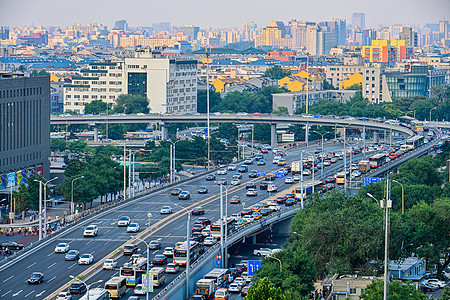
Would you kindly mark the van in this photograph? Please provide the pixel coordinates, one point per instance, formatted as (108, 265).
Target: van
(221, 294)
(159, 276)
(116, 287)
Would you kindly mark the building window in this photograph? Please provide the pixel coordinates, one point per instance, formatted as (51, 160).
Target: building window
(352, 291)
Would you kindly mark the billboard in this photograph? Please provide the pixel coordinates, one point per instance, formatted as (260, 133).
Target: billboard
(2, 181)
(11, 179)
(20, 177)
(40, 171)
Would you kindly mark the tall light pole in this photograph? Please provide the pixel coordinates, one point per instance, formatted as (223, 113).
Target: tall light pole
(40, 208)
(188, 247)
(45, 203)
(281, 266)
(87, 286)
(321, 153)
(430, 113)
(403, 196)
(71, 194)
(173, 167)
(307, 101)
(224, 230)
(148, 258)
(207, 104)
(124, 172)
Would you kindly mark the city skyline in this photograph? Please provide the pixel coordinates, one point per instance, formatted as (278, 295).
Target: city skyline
(234, 14)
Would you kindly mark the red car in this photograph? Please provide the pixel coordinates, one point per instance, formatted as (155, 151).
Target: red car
(264, 150)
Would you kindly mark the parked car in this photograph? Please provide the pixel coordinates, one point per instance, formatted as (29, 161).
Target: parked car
(437, 282)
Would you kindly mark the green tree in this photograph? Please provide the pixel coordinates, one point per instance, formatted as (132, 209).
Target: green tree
(58, 145)
(76, 146)
(131, 104)
(115, 131)
(262, 133)
(446, 293)
(214, 100)
(74, 167)
(355, 87)
(277, 73)
(281, 110)
(421, 171)
(397, 290)
(96, 107)
(264, 290)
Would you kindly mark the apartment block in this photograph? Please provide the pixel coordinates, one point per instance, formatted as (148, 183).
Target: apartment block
(387, 51)
(336, 73)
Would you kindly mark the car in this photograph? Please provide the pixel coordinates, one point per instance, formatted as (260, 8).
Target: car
(248, 218)
(243, 169)
(209, 241)
(202, 190)
(136, 298)
(130, 249)
(86, 259)
(289, 180)
(133, 227)
(281, 162)
(246, 211)
(176, 191)
(206, 231)
(240, 281)
(197, 228)
(244, 291)
(281, 199)
(274, 207)
(235, 199)
(262, 252)
(253, 174)
(297, 177)
(289, 202)
(264, 150)
(256, 207)
(154, 245)
(437, 282)
(263, 186)
(109, 264)
(271, 187)
(72, 255)
(261, 162)
(252, 192)
(165, 210)
(160, 259)
(265, 211)
(184, 195)
(35, 278)
(168, 251)
(62, 248)
(11, 246)
(256, 215)
(77, 287)
(429, 287)
(222, 181)
(306, 172)
(191, 171)
(198, 237)
(326, 163)
(210, 177)
(248, 161)
(64, 296)
(138, 290)
(234, 288)
(172, 268)
(222, 172)
(237, 176)
(269, 177)
(198, 211)
(330, 179)
(91, 230)
(231, 167)
(235, 182)
(123, 222)
(250, 185)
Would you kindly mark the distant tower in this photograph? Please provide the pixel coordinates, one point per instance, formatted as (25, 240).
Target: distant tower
(359, 19)
(121, 25)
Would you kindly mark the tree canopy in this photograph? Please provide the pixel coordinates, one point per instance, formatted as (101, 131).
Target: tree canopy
(131, 104)
(96, 107)
(397, 291)
(277, 73)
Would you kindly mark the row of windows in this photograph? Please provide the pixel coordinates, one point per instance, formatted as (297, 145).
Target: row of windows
(18, 159)
(21, 92)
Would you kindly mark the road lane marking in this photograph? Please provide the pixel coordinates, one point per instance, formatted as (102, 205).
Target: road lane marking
(40, 294)
(16, 294)
(89, 242)
(51, 265)
(5, 293)
(50, 254)
(72, 266)
(29, 293)
(107, 242)
(52, 278)
(167, 235)
(107, 231)
(154, 251)
(8, 278)
(31, 265)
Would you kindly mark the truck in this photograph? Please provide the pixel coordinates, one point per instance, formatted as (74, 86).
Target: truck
(364, 166)
(206, 288)
(296, 167)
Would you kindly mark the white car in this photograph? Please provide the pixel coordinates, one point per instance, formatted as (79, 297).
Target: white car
(166, 210)
(209, 241)
(138, 290)
(64, 296)
(123, 222)
(262, 252)
(109, 264)
(172, 268)
(206, 232)
(275, 207)
(234, 288)
(235, 182)
(236, 216)
(437, 282)
(306, 172)
(62, 248)
(248, 218)
(297, 177)
(222, 172)
(237, 176)
(356, 173)
(91, 230)
(231, 167)
(133, 227)
(168, 251)
(252, 192)
(289, 180)
(86, 259)
(271, 187)
(240, 281)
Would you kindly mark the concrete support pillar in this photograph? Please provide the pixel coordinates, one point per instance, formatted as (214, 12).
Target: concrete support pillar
(96, 133)
(307, 134)
(376, 137)
(273, 135)
(164, 131)
(254, 239)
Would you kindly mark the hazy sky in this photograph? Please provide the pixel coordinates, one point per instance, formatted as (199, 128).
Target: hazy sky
(228, 13)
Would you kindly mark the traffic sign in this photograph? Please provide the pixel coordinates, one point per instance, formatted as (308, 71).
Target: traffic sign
(149, 215)
(369, 180)
(218, 262)
(279, 174)
(261, 173)
(252, 266)
(218, 257)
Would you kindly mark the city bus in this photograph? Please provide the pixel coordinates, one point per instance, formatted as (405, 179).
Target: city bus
(96, 294)
(307, 189)
(340, 177)
(116, 287)
(132, 271)
(220, 277)
(180, 253)
(377, 160)
(418, 126)
(415, 142)
(406, 121)
(364, 166)
(159, 276)
(215, 227)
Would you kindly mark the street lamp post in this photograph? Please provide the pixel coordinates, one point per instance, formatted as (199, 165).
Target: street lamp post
(321, 153)
(188, 247)
(281, 266)
(71, 202)
(430, 113)
(224, 230)
(403, 196)
(87, 286)
(40, 208)
(45, 203)
(207, 104)
(148, 257)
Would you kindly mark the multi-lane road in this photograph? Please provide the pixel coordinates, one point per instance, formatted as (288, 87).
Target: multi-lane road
(56, 270)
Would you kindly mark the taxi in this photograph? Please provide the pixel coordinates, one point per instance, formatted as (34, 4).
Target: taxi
(261, 162)
(282, 162)
(256, 207)
(235, 199)
(256, 215)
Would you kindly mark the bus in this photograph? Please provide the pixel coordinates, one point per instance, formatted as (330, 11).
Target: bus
(159, 276)
(215, 227)
(406, 121)
(96, 294)
(116, 287)
(377, 160)
(364, 166)
(220, 277)
(307, 189)
(340, 177)
(180, 253)
(418, 126)
(415, 142)
(132, 271)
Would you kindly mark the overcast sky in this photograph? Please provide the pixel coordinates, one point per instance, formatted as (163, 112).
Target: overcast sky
(227, 13)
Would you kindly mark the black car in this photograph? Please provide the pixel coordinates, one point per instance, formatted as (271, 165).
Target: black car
(130, 249)
(160, 260)
(36, 278)
(198, 211)
(330, 180)
(243, 169)
(11, 246)
(250, 185)
(253, 174)
(77, 287)
(176, 191)
(263, 186)
(290, 195)
(72, 255)
(210, 177)
(202, 190)
(184, 195)
(289, 202)
(198, 237)
(203, 221)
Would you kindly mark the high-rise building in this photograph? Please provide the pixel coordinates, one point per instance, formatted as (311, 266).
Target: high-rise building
(443, 28)
(4, 33)
(409, 36)
(121, 25)
(190, 30)
(24, 128)
(359, 19)
(386, 51)
(273, 35)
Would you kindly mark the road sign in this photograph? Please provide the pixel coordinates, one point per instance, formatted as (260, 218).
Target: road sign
(264, 222)
(218, 257)
(243, 203)
(369, 180)
(261, 173)
(279, 174)
(218, 262)
(147, 283)
(149, 215)
(252, 266)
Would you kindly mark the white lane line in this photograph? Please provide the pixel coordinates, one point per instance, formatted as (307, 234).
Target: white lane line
(107, 231)
(93, 252)
(31, 265)
(89, 242)
(168, 235)
(16, 294)
(156, 251)
(107, 242)
(5, 293)
(52, 278)
(71, 266)
(40, 294)
(114, 274)
(29, 293)
(8, 278)
(50, 254)
(51, 265)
